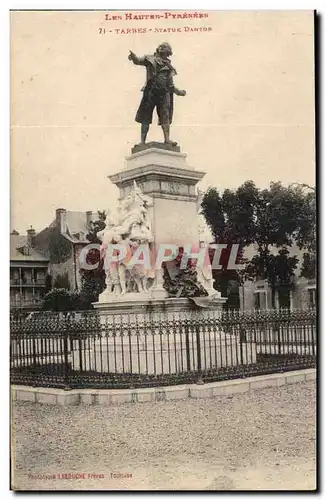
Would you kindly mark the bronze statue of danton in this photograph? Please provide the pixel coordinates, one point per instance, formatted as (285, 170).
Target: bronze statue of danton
(158, 91)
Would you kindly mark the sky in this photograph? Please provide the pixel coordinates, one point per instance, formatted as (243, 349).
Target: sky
(248, 112)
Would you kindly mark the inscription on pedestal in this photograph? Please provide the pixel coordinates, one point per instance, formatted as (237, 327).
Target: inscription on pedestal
(170, 187)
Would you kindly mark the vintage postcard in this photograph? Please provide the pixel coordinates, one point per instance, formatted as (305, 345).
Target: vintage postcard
(163, 250)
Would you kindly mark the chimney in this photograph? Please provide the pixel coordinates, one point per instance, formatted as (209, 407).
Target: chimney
(89, 218)
(61, 219)
(30, 235)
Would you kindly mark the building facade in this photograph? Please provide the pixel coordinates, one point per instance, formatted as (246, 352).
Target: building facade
(28, 272)
(258, 294)
(62, 241)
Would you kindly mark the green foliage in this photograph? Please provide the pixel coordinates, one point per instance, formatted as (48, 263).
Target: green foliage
(278, 269)
(92, 286)
(308, 268)
(213, 211)
(59, 299)
(231, 215)
(60, 249)
(48, 283)
(93, 281)
(62, 281)
(227, 283)
(274, 217)
(97, 225)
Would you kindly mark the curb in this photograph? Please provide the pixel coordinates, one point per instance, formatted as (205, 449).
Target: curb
(118, 396)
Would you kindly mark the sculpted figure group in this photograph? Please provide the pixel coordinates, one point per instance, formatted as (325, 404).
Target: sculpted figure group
(130, 227)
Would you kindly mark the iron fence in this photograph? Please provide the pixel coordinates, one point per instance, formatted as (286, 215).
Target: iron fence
(76, 350)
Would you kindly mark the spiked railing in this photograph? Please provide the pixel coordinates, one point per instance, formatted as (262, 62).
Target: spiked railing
(89, 349)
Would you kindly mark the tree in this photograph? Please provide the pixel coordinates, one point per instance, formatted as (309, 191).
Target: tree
(278, 270)
(279, 219)
(93, 281)
(62, 281)
(308, 268)
(60, 249)
(231, 218)
(92, 287)
(58, 299)
(270, 218)
(48, 283)
(307, 237)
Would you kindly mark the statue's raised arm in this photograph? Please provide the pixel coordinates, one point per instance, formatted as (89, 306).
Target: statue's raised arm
(136, 60)
(158, 92)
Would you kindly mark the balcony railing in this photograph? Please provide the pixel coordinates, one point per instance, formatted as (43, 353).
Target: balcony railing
(27, 282)
(21, 303)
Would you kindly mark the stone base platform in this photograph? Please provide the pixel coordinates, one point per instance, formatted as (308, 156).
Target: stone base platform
(150, 394)
(165, 354)
(135, 303)
(163, 336)
(154, 144)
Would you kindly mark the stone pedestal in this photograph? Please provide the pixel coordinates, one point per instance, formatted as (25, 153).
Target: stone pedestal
(164, 175)
(144, 305)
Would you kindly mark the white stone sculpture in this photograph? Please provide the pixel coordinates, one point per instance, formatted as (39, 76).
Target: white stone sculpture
(204, 272)
(115, 274)
(130, 228)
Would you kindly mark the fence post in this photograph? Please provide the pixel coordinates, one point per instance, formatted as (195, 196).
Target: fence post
(187, 345)
(80, 347)
(66, 357)
(279, 339)
(34, 350)
(313, 338)
(242, 339)
(200, 379)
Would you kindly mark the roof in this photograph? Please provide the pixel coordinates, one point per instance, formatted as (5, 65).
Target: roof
(20, 241)
(76, 226)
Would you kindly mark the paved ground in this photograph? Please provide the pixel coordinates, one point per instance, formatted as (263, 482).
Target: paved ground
(261, 440)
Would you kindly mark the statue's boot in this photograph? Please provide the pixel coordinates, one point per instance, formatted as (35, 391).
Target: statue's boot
(172, 143)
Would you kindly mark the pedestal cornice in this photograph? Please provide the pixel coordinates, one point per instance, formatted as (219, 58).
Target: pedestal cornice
(150, 171)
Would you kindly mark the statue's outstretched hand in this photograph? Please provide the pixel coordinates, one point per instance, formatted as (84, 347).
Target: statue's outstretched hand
(131, 56)
(180, 92)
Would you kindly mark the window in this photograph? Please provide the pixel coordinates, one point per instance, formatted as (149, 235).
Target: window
(260, 299)
(23, 277)
(312, 297)
(14, 277)
(284, 299)
(26, 250)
